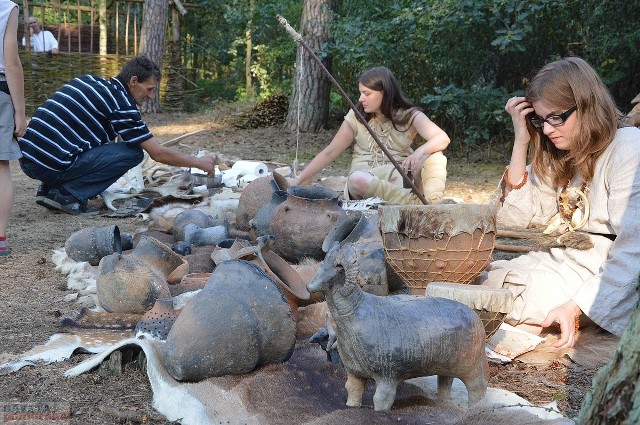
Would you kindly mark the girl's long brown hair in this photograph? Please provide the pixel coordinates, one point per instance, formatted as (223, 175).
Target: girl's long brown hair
(563, 84)
(395, 106)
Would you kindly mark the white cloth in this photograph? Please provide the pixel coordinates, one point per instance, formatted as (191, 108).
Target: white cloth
(44, 41)
(603, 280)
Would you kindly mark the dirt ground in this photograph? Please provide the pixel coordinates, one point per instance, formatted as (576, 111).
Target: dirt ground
(31, 291)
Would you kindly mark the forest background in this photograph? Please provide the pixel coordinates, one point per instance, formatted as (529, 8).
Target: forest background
(460, 60)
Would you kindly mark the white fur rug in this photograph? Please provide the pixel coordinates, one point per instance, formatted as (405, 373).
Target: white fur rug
(307, 389)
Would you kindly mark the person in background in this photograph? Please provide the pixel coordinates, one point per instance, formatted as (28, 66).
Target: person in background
(583, 185)
(396, 122)
(70, 143)
(41, 40)
(12, 112)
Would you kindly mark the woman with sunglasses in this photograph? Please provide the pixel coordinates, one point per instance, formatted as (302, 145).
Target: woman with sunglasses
(583, 185)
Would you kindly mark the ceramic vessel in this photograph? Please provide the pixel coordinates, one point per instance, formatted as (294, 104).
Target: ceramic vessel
(92, 243)
(301, 223)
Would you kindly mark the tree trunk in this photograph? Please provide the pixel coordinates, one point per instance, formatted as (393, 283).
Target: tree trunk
(248, 54)
(615, 395)
(102, 24)
(153, 35)
(310, 95)
(174, 98)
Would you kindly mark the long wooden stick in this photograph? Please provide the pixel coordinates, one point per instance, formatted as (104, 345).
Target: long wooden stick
(177, 139)
(514, 248)
(298, 38)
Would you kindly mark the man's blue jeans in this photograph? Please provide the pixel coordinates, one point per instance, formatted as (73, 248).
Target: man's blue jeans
(92, 172)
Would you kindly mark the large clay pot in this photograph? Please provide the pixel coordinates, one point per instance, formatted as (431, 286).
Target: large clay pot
(254, 196)
(92, 243)
(301, 223)
(239, 321)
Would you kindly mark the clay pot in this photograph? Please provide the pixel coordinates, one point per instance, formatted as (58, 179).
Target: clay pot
(162, 258)
(126, 284)
(92, 243)
(158, 321)
(285, 276)
(256, 194)
(239, 321)
(191, 216)
(353, 227)
(260, 223)
(301, 223)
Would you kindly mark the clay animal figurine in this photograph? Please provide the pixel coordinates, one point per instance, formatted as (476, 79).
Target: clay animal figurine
(393, 338)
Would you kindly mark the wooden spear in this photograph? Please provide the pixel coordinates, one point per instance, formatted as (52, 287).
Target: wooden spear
(298, 38)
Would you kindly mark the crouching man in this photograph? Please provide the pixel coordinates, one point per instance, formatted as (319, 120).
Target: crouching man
(70, 143)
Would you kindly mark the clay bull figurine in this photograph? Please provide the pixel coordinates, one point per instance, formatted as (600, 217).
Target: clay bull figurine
(393, 338)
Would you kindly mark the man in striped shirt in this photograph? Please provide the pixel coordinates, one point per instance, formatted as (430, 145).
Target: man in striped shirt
(70, 143)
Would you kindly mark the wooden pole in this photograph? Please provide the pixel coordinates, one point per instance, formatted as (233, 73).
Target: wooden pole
(79, 13)
(135, 32)
(91, 29)
(126, 30)
(298, 38)
(117, 28)
(27, 33)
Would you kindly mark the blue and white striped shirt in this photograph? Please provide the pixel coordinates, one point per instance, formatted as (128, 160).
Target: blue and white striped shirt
(87, 112)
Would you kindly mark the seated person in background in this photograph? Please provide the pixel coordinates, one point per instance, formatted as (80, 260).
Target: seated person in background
(41, 40)
(70, 141)
(584, 175)
(396, 121)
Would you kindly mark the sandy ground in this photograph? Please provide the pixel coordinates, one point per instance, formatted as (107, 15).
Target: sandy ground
(31, 291)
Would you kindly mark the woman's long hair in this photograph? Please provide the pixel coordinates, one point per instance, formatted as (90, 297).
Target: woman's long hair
(563, 84)
(395, 106)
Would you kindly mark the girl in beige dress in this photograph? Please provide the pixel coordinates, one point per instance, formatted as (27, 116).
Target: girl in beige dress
(396, 121)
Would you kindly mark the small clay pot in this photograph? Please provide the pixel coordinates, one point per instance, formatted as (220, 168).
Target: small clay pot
(92, 243)
(191, 216)
(256, 194)
(260, 223)
(158, 255)
(157, 322)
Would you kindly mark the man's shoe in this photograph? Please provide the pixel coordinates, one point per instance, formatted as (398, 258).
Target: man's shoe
(70, 205)
(43, 193)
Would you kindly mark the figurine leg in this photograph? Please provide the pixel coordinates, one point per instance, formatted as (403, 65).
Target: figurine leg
(385, 395)
(355, 389)
(444, 387)
(476, 383)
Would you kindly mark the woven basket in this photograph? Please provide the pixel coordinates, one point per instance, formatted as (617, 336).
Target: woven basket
(491, 304)
(437, 243)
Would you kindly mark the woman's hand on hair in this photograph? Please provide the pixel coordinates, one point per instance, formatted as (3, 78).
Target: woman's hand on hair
(519, 108)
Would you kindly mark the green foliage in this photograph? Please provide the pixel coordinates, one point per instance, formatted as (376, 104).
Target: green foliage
(458, 59)
(472, 117)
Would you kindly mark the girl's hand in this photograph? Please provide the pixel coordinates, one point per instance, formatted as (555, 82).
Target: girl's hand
(519, 108)
(564, 315)
(413, 162)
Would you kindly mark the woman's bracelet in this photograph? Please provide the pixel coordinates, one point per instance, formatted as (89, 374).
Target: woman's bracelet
(512, 186)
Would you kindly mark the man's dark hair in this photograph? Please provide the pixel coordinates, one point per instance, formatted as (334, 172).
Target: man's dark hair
(141, 67)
